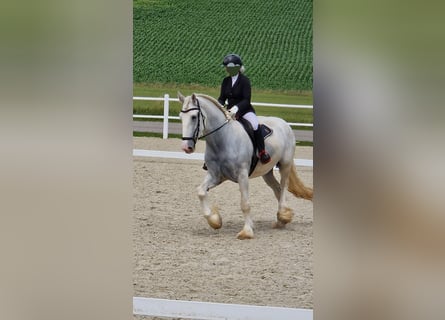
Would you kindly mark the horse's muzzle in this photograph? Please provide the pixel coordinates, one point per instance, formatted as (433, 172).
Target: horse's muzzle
(188, 146)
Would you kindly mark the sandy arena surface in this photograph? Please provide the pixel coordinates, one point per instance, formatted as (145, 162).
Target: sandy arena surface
(178, 256)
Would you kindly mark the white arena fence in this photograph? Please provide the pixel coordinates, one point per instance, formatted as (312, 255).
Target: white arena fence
(214, 311)
(197, 156)
(166, 117)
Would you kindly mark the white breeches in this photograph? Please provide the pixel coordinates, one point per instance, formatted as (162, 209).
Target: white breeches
(251, 117)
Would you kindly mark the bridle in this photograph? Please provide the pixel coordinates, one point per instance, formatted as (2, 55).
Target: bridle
(196, 131)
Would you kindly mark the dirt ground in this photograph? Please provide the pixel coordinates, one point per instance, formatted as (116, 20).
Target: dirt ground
(178, 256)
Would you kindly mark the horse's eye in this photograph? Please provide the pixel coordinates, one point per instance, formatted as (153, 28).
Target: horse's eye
(193, 118)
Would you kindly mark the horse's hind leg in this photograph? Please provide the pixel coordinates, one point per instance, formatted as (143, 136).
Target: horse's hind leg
(284, 214)
(212, 215)
(270, 180)
(247, 232)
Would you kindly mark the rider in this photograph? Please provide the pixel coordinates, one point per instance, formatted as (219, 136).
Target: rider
(236, 90)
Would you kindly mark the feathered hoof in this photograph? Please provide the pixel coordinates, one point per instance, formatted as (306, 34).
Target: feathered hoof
(245, 234)
(285, 215)
(214, 220)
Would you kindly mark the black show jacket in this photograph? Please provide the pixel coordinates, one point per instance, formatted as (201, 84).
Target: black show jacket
(239, 94)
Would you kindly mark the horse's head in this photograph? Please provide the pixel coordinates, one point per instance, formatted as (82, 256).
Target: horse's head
(191, 118)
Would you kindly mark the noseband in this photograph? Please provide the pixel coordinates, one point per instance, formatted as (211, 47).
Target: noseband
(196, 131)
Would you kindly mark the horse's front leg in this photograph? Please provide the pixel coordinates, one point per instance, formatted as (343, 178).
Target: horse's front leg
(212, 215)
(247, 232)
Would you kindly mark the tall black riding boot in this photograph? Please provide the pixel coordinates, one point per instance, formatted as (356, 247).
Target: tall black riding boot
(259, 140)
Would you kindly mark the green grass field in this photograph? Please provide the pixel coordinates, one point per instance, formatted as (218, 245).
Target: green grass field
(184, 42)
(178, 45)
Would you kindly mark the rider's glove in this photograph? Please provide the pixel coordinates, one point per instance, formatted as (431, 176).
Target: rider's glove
(233, 110)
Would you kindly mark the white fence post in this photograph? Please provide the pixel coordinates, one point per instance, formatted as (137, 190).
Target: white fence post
(166, 107)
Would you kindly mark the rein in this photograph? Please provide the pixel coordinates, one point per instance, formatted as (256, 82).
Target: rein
(213, 131)
(196, 131)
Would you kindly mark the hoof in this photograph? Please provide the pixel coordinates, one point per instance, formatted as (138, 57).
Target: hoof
(285, 215)
(243, 235)
(214, 220)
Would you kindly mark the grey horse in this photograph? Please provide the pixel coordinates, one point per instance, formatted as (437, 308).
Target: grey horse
(228, 156)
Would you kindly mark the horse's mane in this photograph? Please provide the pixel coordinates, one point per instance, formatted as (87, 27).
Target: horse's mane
(216, 103)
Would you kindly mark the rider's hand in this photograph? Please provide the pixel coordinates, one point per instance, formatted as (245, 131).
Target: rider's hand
(233, 110)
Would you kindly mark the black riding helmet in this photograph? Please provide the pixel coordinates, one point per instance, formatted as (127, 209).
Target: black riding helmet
(232, 60)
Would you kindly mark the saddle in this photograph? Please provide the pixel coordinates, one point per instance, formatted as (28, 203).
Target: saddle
(265, 132)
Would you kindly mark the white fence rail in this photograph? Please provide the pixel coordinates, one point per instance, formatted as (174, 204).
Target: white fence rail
(166, 117)
(196, 156)
(197, 310)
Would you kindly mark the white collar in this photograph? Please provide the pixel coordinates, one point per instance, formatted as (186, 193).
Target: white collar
(234, 78)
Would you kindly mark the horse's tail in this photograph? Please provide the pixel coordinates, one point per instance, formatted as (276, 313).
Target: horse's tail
(296, 186)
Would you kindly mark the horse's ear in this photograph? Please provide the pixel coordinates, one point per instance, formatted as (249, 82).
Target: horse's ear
(180, 97)
(194, 98)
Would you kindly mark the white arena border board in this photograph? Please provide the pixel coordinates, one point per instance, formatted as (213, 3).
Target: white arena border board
(196, 156)
(214, 311)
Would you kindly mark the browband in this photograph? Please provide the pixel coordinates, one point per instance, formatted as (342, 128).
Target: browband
(191, 109)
